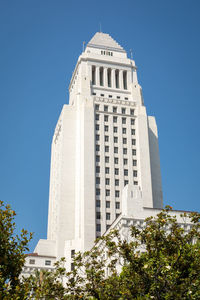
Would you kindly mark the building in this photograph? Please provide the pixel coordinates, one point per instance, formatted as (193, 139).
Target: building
(104, 144)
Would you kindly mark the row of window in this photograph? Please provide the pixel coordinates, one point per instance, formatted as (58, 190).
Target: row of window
(32, 262)
(115, 129)
(107, 171)
(107, 182)
(115, 109)
(115, 118)
(106, 75)
(107, 150)
(116, 160)
(116, 148)
(115, 139)
(98, 226)
(110, 96)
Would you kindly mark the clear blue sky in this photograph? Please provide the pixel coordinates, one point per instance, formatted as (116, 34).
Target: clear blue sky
(40, 41)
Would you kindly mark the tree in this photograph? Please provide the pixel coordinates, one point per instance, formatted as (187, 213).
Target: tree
(12, 249)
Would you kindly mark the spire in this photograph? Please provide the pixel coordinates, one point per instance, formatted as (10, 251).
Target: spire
(104, 41)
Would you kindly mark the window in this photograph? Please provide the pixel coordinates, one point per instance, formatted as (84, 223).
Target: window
(114, 109)
(97, 126)
(124, 150)
(98, 215)
(124, 130)
(107, 216)
(132, 121)
(125, 80)
(123, 110)
(135, 182)
(125, 161)
(109, 77)
(124, 141)
(133, 131)
(115, 129)
(134, 151)
(117, 78)
(125, 172)
(97, 169)
(132, 112)
(107, 170)
(97, 147)
(94, 94)
(117, 205)
(133, 141)
(97, 106)
(107, 181)
(97, 158)
(116, 171)
(106, 127)
(123, 120)
(97, 180)
(97, 117)
(106, 138)
(107, 192)
(98, 227)
(116, 160)
(31, 261)
(110, 96)
(107, 226)
(134, 162)
(106, 148)
(102, 95)
(114, 119)
(105, 107)
(107, 159)
(72, 253)
(97, 137)
(101, 76)
(117, 194)
(134, 173)
(116, 182)
(72, 266)
(98, 203)
(115, 149)
(107, 204)
(97, 192)
(117, 215)
(125, 182)
(93, 75)
(47, 262)
(106, 118)
(115, 139)
(118, 97)
(126, 98)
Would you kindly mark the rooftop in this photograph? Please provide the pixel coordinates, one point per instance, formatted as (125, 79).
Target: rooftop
(104, 41)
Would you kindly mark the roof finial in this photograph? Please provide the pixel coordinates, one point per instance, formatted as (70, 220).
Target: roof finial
(83, 46)
(100, 27)
(131, 52)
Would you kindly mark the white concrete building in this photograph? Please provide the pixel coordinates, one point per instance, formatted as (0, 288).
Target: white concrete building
(103, 141)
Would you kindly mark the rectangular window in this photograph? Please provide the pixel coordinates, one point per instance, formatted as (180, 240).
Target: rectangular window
(134, 162)
(107, 159)
(97, 117)
(98, 227)
(110, 96)
(106, 138)
(106, 127)
(115, 129)
(98, 203)
(125, 182)
(107, 192)
(72, 253)
(97, 106)
(97, 180)
(72, 266)
(133, 131)
(117, 215)
(123, 110)
(116, 171)
(116, 160)
(134, 173)
(105, 107)
(117, 78)
(114, 109)
(47, 262)
(107, 181)
(115, 149)
(97, 126)
(124, 130)
(134, 151)
(107, 216)
(101, 76)
(106, 118)
(109, 76)
(93, 75)
(116, 182)
(102, 95)
(123, 120)
(107, 170)
(124, 141)
(125, 161)
(132, 121)
(125, 172)
(135, 182)
(98, 215)
(125, 80)
(132, 112)
(97, 137)
(31, 261)
(107, 204)
(117, 205)
(97, 169)
(97, 147)
(97, 158)
(97, 192)
(106, 148)
(107, 226)
(117, 194)
(124, 150)
(115, 139)
(114, 119)
(133, 141)
(118, 97)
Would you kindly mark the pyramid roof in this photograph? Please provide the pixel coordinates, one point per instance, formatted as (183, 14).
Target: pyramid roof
(104, 41)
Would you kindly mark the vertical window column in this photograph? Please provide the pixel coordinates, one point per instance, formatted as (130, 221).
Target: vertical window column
(93, 75)
(105, 77)
(121, 79)
(113, 78)
(97, 76)
(101, 76)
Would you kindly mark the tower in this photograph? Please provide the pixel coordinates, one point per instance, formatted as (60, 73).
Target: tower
(103, 141)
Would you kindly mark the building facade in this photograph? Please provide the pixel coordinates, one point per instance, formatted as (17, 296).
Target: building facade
(104, 143)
